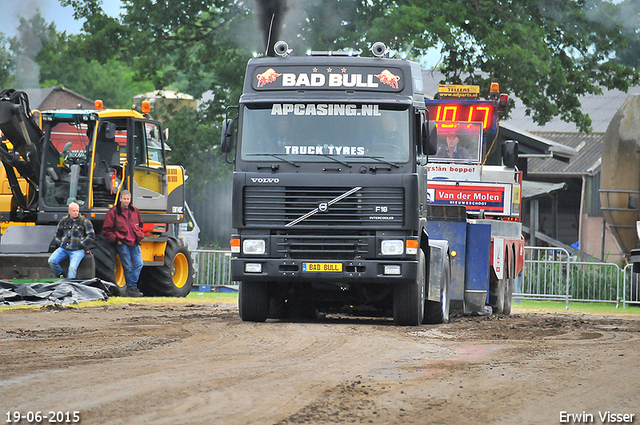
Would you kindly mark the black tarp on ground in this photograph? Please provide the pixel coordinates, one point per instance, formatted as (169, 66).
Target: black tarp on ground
(61, 292)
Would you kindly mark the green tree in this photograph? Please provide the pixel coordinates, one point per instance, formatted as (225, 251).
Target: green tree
(547, 53)
(195, 147)
(40, 56)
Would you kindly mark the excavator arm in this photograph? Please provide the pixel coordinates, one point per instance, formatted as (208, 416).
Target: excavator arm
(20, 128)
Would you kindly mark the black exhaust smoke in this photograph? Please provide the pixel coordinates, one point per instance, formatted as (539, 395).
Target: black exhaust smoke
(270, 18)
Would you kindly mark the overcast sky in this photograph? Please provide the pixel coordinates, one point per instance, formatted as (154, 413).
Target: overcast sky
(51, 11)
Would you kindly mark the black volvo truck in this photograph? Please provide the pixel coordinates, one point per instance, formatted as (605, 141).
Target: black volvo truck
(329, 190)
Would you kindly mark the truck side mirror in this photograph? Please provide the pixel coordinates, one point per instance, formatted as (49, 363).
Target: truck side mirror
(510, 153)
(227, 136)
(429, 138)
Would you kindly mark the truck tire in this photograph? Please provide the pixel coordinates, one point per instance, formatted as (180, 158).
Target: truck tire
(408, 299)
(508, 293)
(253, 301)
(174, 278)
(496, 296)
(438, 311)
(108, 266)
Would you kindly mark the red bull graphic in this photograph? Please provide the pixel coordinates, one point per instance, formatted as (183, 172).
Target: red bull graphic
(388, 78)
(328, 78)
(268, 76)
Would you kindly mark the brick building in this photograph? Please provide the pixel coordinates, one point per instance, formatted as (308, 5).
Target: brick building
(57, 98)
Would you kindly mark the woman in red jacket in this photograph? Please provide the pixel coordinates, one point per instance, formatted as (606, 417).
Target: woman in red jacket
(123, 227)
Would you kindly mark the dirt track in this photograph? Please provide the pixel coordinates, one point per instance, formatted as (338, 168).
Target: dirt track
(199, 364)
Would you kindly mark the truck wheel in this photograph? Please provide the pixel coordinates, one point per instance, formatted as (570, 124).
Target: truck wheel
(108, 266)
(174, 278)
(496, 295)
(508, 293)
(438, 311)
(253, 301)
(408, 299)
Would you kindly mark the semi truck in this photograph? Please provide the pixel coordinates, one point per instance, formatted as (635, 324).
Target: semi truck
(329, 189)
(87, 156)
(474, 198)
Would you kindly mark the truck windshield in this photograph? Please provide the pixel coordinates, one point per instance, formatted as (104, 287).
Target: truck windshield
(308, 132)
(458, 142)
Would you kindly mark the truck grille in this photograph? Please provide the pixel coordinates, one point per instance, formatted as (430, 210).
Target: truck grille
(325, 247)
(278, 206)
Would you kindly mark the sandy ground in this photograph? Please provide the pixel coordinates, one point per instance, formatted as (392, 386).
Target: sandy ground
(200, 364)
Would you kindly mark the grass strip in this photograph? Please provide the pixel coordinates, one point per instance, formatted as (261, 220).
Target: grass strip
(593, 308)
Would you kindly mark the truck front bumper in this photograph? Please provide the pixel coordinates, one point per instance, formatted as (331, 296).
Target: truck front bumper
(287, 270)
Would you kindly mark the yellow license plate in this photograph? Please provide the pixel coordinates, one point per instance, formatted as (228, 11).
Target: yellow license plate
(321, 267)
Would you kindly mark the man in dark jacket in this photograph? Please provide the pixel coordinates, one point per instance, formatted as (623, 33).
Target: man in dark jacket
(452, 150)
(75, 234)
(123, 227)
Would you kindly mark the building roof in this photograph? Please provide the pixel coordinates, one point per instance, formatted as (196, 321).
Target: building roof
(37, 97)
(533, 145)
(585, 162)
(167, 93)
(533, 189)
(600, 108)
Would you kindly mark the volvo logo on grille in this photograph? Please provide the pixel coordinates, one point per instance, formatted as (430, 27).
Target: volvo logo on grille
(265, 180)
(323, 207)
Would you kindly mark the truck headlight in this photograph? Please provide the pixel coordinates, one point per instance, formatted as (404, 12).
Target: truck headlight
(253, 246)
(392, 247)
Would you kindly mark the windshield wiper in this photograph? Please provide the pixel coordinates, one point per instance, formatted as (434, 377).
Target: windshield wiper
(275, 156)
(336, 160)
(377, 158)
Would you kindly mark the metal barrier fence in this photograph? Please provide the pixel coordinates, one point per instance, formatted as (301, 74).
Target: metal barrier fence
(545, 276)
(549, 274)
(552, 274)
(631, 286)
(212, 267)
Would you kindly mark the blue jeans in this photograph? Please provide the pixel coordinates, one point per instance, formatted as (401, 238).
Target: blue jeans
(74, 261)
(131, 260)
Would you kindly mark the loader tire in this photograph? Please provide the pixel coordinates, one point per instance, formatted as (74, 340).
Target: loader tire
(174, 278)
(107, 264)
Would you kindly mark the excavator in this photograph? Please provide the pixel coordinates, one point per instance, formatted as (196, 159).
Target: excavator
(87, 156)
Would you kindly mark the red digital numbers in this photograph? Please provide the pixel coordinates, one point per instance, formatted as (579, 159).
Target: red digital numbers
(465, 113)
